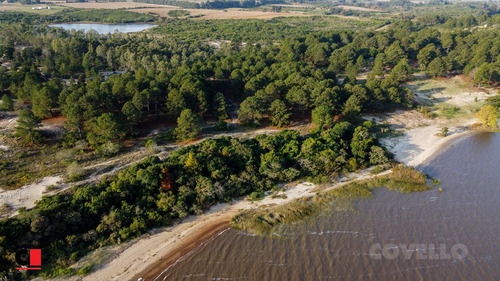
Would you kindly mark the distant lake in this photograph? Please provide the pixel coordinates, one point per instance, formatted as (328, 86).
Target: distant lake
(104, 28)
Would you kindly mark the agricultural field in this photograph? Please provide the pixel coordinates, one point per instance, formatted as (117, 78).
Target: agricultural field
(163, 10)
(16, 7)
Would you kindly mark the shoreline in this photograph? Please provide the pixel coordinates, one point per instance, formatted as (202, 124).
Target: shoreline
(149, 257)
(449, 142)
(188, 246)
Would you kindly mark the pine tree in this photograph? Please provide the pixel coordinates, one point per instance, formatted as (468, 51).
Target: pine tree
(7, 103)
(436, 67)
(26, 126)
(131, 112)
(220, 106)
(351, 71)
(280, 115)
(322, 117)
(250, 111)
(187, 126)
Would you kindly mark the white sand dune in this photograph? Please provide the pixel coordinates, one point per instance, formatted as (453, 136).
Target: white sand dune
(27, 195)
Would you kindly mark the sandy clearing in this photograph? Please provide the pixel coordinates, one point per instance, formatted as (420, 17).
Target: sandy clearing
(417, 137)
(417, 145)
(27, 195)
(456, 91)
(232, 13)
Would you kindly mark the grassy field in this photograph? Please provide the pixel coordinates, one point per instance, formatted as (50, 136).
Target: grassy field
(16, 7)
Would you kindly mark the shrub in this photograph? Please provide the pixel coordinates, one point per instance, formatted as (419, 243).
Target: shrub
(151, 146)
(488, 116)
(50, 188)
(66, 155)
(74, 172)
(407, 174)
(109, 149)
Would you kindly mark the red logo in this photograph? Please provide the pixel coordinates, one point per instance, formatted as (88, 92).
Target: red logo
(29, 259)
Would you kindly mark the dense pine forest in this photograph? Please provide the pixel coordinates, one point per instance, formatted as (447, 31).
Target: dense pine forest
(191, 73)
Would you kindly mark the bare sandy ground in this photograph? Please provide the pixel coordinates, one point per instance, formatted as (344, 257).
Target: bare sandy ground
(27, 195)
(418, 137)
(417, 145)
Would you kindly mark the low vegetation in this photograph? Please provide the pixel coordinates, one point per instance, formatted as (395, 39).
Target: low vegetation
(178, 13)
(266, 221)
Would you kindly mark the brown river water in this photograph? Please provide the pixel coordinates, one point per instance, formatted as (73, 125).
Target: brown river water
(431, 235)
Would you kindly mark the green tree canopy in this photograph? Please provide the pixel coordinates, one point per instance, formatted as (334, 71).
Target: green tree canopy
(436, 67)
(279, 113)
(488, 116)
(7, 103)
(322, 117)
(26, 126)
(251, 111)
(188, 127)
